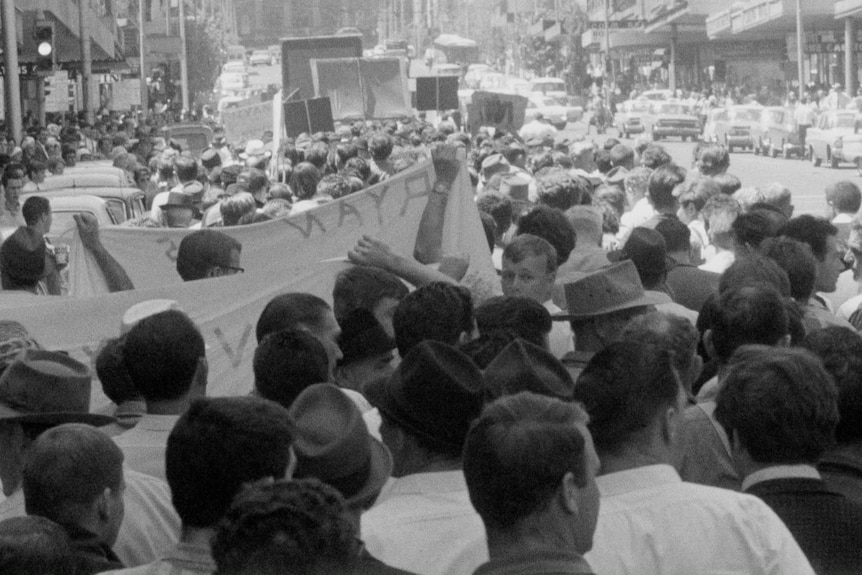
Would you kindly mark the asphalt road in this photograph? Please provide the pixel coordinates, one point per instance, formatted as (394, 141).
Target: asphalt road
(806, 183)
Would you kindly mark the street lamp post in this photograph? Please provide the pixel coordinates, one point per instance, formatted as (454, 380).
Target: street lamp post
(145, 104)
(799, 67)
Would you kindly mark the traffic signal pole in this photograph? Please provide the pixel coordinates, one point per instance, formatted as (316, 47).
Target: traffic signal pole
(86, 61)
(11, 86)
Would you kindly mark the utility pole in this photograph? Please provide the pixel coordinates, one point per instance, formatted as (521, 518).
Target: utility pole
(799, 67)
(606, 64)
(11, 87)
(145, 104)
(86, 60)
(184, 63)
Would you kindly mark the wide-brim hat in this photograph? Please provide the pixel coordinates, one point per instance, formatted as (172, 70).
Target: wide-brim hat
(494, 164)
(613, 288)
(47, 387)
(523, 366)
(210, 158)
(435, 394)
(332, 444)
(255, 149)
(516, 187)
(179, 200)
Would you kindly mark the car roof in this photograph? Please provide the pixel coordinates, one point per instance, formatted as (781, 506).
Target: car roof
(101, 192)
(548, 79)
(93, 179)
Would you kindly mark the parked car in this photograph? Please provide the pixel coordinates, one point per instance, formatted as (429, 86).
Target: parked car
(260, 58)
(776, 133)
(474, 74)
(122, 203)
(732, 126)
(835, 138)
(234, 67)
(63, 208)
(671, 118)
(275, 53)
(555, 114)
(549, 87)
(232, 82)
(656, 95)
(194, 138)
(88, 177)
(628, 119)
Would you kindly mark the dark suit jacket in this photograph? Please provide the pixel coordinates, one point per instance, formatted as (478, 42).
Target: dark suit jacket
(827, 525)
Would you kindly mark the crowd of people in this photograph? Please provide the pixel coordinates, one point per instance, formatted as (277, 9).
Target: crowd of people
(666, 379)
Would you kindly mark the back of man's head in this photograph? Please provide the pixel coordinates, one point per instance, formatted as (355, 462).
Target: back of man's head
(719, 213)
(290, 310)
(218, 445)
(33, 545)
(840, 350)
(67, 469)
(186, 168)
(781, 404)
(637, 183)
(520, 453)
(625, 388)
(203, 250)
(622, 155)
(748, 315)
(437, 311)
(810, 230)
(558, 189)
(551, 225)
(796, 259)
(286, 527)
(671, 333)
(713, 159)
(163, 354)
(286, 362)
(34, 208)
(362, 287)
(778, 195)
(655, 156)
(527, 317)
(844, 197)
(728, 183)
(677, 235)
(662, 182)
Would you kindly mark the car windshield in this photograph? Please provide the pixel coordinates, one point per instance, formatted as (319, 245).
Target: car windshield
(117, 209)
(745, 115)
(546, 101)
(845, 121)
(672, 109)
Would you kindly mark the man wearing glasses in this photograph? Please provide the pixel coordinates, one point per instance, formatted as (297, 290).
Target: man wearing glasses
(208, 254)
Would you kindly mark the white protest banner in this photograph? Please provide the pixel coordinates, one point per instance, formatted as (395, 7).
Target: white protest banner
(280, 256)
(126, 94)
(247, 122)
(502, 111)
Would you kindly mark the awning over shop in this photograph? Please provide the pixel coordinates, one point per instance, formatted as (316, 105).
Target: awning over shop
(847, 8)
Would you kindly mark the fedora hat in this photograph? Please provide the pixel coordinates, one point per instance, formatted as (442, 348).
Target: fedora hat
(179, 200)
(47, 387)
(332, 444)
(523, 366)
(494, 164)
(606, 290)
(516, 187)
(435, 394)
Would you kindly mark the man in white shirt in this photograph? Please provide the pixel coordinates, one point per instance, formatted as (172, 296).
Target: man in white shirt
(530, 270)
(804, 116)
(650, 521)
(641, 210)
(424, 521)
(719, 213)
(165, 357)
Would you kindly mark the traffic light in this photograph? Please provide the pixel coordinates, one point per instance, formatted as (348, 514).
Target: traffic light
(45, 49)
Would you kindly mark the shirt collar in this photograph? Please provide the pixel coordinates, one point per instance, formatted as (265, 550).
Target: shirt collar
(780, 472)
(648, 476)
(191, 556)
(556, 561)
(436, 482)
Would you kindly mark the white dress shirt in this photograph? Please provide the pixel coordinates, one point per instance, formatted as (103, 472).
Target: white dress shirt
(651, 522)
(425, 523)
(561, 338)
(144, 445)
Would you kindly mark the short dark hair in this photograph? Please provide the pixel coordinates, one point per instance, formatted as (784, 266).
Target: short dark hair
(558, 189)
(662, 182)
(186, 168)
(499, 207)
(34, 208)
(621, 155)
(113, 376)
(810, 230)
(728, 183)
(13, 171)
(202, 250)
(781, 404)
(528, 318)
(438, 311)
(668, 332)
(623, 388)
(162, 353)
(380, 146)
(334, 185)
(290, 310)
(489, 344)
(286, 362)
(754, 269)
(844, 196)
(67, 468)
(840, 350)
(753, 314)
(550, 225)
(796, 259)
(317, 154)
(364, 287)
(517, 453)
(525, 245)
(34, 167)
(286, 528)
(713, 159)
(697, 191)
(602, 159)
(219, 444)
(33, 545)
(235, 207)
(677, 235)
(655, 156)
(752, 227)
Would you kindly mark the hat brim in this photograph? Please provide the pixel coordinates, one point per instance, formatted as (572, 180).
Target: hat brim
(380, 396)
(55, 418)
(379, 473)
(642, 301)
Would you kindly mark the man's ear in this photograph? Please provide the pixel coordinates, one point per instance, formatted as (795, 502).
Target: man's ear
(709, 344)
(568, 493)
(784, 341)
(201, 373)
(103, 505)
